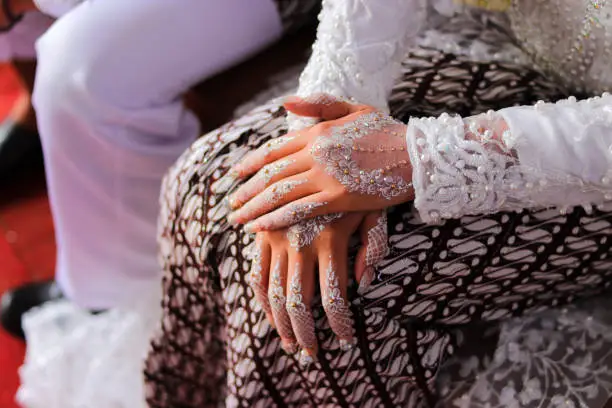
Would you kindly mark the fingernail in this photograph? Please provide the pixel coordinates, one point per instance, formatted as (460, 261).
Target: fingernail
(291, 99)
(271, 324)
(230, 203)
(232, 219)
(346, 345)
(366, 280)
(289, 347)
(306, 358)
(249, 228)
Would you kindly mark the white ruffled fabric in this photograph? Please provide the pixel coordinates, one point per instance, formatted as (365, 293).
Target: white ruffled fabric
(358, 52)
(549, 155)
(75, 359)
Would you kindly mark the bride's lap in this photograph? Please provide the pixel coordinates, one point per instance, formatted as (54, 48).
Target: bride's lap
(215, 344)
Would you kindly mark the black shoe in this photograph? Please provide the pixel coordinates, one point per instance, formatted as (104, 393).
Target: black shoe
(17, 143)
(16, 302)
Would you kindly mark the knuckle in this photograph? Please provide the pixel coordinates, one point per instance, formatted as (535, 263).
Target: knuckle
(321, 127)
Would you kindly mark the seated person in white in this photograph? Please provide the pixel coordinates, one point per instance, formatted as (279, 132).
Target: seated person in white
(108, 98)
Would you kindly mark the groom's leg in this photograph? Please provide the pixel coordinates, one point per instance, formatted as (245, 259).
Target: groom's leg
(108, 99)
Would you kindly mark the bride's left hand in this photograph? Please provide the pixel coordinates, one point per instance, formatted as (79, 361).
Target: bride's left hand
(283, 275)
(356, 163)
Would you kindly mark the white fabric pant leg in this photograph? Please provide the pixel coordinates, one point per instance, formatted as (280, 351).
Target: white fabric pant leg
(107, 96)
(19, 42)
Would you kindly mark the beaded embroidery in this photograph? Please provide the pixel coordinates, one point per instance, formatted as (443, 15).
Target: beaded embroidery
(337, 153)
(302, 234)
(277, 303)
(338, 313)
(300, 314)
(470, 166)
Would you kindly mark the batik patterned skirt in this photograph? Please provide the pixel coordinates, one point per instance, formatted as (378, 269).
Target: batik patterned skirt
(215, 347)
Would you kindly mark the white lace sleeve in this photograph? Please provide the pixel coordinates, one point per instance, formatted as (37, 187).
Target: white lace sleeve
(547, 155)
(359, 48)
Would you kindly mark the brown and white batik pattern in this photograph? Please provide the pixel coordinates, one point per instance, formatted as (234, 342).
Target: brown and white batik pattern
(215, 347)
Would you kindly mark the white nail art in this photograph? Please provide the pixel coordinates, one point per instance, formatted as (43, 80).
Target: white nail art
(300, 314)
(338, 313)
(276, 144)
(347, 345)
(277, 192)
(322, 99)
(255, 279)
(366, 280)
(297, 212)
(377, 249)
(302, 234)
(269, 171)
(306, 359)
(277, 295)
(293, 214)
(277, 303)
(336, 153)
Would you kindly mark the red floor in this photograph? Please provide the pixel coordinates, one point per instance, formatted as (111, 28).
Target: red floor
(27, 249)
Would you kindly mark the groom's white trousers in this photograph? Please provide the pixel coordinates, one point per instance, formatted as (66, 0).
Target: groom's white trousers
(108, 99)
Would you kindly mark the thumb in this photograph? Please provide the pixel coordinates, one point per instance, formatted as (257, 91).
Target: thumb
(321, 106)
(374, 248)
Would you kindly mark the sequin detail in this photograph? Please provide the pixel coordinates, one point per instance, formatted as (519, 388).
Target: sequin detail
(336, 153)
(299, 313)
(276, 144)
(338, 313)
(255, 279)
(268, 172)
(487, 176)
(302, 234)
(277, 303)
(280, 190)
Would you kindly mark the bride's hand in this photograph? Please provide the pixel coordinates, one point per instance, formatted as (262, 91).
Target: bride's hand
(356, 163)
(283, 275)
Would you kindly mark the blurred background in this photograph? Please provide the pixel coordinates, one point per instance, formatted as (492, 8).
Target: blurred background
(27, 248)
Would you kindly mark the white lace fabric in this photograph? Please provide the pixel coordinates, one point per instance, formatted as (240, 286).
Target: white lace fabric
(359, 48)
(74, 358)
(557, 359)
(549, 155)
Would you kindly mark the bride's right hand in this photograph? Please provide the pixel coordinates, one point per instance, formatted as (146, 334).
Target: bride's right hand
(283, 275)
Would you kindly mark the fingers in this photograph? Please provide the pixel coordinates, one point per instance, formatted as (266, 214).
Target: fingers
(292, 213)
(270, 173)
(333, 280)
(268, 153)
(301, 290)
(278, 194)
(375, 246)
(259, 274)
(278, 300)
(322, 106)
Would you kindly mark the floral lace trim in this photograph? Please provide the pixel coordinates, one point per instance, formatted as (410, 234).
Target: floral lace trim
(470, 166)
(343, 65)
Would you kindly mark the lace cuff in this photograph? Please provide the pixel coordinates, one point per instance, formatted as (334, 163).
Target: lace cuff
(548, 155)
(359, 48)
